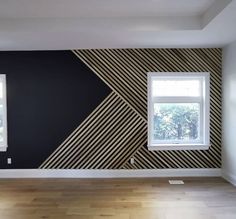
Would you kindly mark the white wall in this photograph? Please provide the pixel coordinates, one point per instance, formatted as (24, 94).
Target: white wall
(229, 113)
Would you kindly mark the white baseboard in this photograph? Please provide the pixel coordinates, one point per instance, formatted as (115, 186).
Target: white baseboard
(229, 177)
(69, 173)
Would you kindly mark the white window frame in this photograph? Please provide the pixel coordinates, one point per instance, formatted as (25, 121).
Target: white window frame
(203, 100)
(3, 101)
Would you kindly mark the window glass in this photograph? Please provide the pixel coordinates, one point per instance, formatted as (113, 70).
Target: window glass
(176, 121)
(178, 109)
(1, 123)
(3, 114)
(176, 87)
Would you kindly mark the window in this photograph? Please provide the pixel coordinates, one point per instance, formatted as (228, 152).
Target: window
(3, 114)
(178, 111)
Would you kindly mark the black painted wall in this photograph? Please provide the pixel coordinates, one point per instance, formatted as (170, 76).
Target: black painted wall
(48, 94)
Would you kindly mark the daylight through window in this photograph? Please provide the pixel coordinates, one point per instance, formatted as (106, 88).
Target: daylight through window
(178, 111)
(3, 114)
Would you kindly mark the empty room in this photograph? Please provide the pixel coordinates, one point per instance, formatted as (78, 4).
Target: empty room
(118, 109)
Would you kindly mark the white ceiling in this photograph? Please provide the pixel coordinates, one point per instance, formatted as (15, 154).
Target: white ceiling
(102, 8)
(71, 24)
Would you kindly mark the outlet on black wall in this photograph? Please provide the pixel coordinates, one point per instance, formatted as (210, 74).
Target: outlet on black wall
(49, 93)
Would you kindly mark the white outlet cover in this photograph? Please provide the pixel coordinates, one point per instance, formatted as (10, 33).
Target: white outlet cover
(176, 182)
(9, 160)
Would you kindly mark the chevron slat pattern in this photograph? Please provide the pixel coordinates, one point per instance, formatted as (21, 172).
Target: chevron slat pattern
(103, 137)
(117, 129)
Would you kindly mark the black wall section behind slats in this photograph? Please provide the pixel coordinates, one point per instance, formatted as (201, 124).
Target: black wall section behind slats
(109, 142)
(49, 94)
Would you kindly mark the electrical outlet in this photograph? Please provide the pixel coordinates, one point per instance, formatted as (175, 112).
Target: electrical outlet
(8, 160)
(132, 160)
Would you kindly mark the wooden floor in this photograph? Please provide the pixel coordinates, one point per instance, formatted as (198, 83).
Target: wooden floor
(199, 198)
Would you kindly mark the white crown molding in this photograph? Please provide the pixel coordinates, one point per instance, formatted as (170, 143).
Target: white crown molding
(69, 173)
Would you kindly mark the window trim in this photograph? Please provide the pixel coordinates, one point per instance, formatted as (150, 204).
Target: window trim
(4, 145)
(204, 101)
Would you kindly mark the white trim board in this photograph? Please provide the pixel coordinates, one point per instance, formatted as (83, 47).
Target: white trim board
(229, 177)
(78, 173)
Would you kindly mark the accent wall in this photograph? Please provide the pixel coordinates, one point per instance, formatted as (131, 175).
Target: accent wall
(87, 109)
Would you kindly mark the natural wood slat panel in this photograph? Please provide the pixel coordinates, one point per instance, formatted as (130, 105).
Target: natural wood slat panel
(125, 72)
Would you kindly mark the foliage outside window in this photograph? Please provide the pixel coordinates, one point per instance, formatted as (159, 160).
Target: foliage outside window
(178, 111)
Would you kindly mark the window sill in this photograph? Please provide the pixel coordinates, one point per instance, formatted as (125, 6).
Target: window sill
(3, 149)
(175, 147)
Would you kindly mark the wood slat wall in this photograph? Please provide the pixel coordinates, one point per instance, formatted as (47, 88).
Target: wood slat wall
(117, 129)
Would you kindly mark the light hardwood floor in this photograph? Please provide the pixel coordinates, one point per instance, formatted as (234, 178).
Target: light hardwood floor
(199, 198)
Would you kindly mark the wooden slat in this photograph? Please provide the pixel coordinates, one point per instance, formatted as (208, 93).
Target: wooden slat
(117, 129)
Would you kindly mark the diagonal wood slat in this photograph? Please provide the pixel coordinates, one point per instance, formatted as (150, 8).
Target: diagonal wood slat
(97, 144)
(117, 129)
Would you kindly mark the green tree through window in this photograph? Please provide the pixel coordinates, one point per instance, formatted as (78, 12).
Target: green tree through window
(176, 121)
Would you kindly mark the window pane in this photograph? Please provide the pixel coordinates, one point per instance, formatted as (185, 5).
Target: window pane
(1, 123)
(176, 121)
(176, 87)
(1, 91)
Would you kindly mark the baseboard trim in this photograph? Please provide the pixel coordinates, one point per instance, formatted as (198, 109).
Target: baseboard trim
(68, 173)
(229, 177)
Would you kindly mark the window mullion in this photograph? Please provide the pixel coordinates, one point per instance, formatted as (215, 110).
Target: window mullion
(177, 99)
(185, 109)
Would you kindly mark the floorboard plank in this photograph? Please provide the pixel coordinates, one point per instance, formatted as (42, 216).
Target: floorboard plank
(153, 198)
